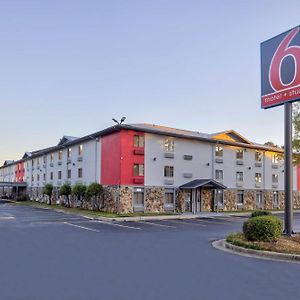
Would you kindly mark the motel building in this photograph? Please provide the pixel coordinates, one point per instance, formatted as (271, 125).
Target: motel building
(151, 168)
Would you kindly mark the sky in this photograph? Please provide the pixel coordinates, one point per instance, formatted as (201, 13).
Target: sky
(69, 67)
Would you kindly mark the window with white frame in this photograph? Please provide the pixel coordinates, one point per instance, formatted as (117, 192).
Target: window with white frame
(239, 154)
(275, 199)
(275, 159)
(60, 153)
(79, 172)
(69, 174)
(59, 175)
(169, 171)
(138, 170)
(80, 150)
(258, 178)
(239, 176)
(169, 144)
(240, 198)
(138, 141)
(275, 178)
(259, 199)
(219, 197)
(51, 175)
(219, 151)
(258, 156)
(69, 152)
(51, 156)
(219, 174)
(169, 197)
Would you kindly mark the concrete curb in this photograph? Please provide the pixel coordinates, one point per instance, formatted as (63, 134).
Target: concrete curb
(268, 255)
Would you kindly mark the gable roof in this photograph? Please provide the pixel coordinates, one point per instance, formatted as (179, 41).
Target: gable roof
(207, 183)
(66, 139)
(230, 135)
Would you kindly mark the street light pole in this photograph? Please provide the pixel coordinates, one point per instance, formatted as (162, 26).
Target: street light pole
(288, 170)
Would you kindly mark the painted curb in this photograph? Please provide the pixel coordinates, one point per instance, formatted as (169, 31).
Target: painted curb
(268, 255)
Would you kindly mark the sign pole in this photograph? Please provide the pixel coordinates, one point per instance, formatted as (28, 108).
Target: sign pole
(288, 170)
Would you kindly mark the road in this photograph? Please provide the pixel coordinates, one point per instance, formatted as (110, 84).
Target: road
(48, 255)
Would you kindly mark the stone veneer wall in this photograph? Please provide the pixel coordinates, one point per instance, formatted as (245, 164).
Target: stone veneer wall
(207, 200)
(180, 201)
(154, 199)
(229, 200)
(126, 200)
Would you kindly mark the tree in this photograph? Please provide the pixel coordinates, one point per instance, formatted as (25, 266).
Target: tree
(94, 190)
(65, 190)
(296, 135)
(79, 191)
(48, 190)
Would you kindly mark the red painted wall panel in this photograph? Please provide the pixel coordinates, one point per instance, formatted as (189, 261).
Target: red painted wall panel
(110, 159)
(118, 157)
(20, 172)
(129, 158)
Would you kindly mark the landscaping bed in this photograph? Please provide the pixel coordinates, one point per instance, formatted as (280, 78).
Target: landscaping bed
(284, 244)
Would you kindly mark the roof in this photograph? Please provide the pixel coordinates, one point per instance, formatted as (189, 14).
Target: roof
(228, 137)
(207, 183)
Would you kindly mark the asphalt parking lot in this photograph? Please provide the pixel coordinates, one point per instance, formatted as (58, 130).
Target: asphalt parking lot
(50, 255)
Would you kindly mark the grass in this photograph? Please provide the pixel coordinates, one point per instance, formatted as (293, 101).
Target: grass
(285, 244)
(89, 213)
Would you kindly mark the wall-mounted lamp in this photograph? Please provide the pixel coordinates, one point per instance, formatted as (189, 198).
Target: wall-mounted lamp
(249, 168)
(208, 164)
(154, 158)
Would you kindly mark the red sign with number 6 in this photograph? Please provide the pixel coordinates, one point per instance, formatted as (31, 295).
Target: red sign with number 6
(280, 69)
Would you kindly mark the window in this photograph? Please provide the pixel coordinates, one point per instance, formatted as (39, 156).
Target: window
(219, 151)
(239, 154)
(138, 170)
(169, 145)
(38, 177)
(38, 161)
(44, 177)
(258, 156)
(80, 150)
(32, 163)
(44, 159)
(32, 177)
(169, 197)
(138, 196)
(59, 175)
(138, 141)
(219, 174)
(52, 156)
(275, 159)
(219, 197)
(69, 152)
(69, 174)
(169, 171)
(240, 197)
(239, 176)
(259, 199)
(60, 155)
(79, 172)
(51, 175)
(274, 178)
(275, 199)
(258, 177)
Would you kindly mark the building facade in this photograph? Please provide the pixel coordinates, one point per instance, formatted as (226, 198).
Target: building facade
(151, 168)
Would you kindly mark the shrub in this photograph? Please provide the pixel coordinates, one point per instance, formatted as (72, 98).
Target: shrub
(259, 213)
(79, 190)
(263, 228)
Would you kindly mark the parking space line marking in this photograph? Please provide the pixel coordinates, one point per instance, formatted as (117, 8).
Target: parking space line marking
(156, 224)
(119, 225)
(81, 227)
(187, 223)
(209, 222)
(7, 218)
(225, 219)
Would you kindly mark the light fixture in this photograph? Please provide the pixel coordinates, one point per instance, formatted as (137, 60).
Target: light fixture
(208, 164)
(121, 121)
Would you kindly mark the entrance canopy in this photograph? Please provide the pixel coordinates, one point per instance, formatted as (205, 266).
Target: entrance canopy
(203, 183)
(13, 184)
